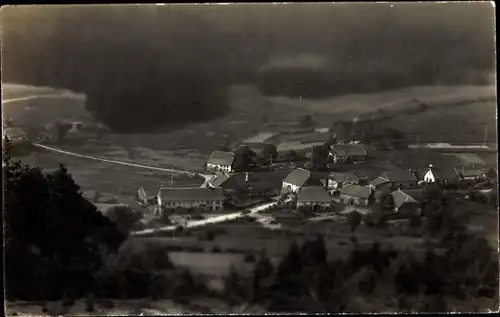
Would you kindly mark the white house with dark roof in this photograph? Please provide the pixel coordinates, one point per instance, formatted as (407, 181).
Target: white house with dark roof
(295, 180)
(314, 196)
(210, 199)
(356, 195)
(220, 161)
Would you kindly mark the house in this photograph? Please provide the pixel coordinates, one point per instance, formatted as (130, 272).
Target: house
(314, 197)
(470, 174)
(440, 176)
(338, 179)
(355, 195)
(341, 153)
(395, 180)
(210, 199)
(295, 180)
(232, 184)
(15, 134)
(220, 161)
(408, 202)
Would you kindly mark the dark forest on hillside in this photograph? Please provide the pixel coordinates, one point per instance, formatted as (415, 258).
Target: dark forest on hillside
(142, 66)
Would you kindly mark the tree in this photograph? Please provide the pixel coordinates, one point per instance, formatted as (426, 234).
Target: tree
(48, 213)
(269, 152)
(319, 157)
(124, 217)
(314, 251)
(354, 219)
(243, 157)
(6, 150)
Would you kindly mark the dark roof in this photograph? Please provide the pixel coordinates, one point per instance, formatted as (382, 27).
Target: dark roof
(219, 180)
(350, 149)
(356, 191)
(298, 177)
(193, 193)
(469, 172)
(399, 176)
(344, 176)
(314, 194)
(379, 180)
(417, 194)
(401, 198)
(221, 158)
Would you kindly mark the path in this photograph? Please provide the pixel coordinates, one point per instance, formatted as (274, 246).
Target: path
(211, 220)
(63, 95)
(49, 148)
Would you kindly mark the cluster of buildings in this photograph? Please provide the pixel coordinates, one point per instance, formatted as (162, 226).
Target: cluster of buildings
(349, 187)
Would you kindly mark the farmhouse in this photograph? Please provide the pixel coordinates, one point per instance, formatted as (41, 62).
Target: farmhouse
(395, 180)
(314, 197)
(338, 179)
(220, 162)
(355, 195)
(341, 153)
(470, 174)
(407, 202)
(440, 176)
(295, 180)
(210, 199)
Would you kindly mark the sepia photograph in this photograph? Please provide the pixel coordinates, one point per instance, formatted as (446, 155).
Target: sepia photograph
(250, 158)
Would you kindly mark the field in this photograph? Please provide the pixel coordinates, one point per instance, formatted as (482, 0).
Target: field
(111, 180)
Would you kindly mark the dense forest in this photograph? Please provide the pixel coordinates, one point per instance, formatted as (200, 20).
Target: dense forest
(142, 66)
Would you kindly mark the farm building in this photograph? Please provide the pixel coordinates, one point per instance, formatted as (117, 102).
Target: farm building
(355, 195)
(295, 180)
(407, 202)
(15, 134)
(341, 153)
(234, 184)
(470, 174)
(209, 198)
(302, 149)
(322, 130)
(395, 180)
(338, 179)
(440, 176)
(220, 161)
(314, 197)
(262, 138)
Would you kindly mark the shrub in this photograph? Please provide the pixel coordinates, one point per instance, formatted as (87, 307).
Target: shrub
(210, 235)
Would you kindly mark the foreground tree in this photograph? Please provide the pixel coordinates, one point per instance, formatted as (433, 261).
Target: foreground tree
(51, 230)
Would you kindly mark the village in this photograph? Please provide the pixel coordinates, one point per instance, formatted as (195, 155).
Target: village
(311, 176)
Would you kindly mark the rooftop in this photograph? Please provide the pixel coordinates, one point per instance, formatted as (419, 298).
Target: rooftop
(401, 197)
(15, 132)
(399, 176)
(298, 177)
(314, 194)
(190, 193)
(350, 149)
(221, 158)
(356, 191)
(297, 145)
